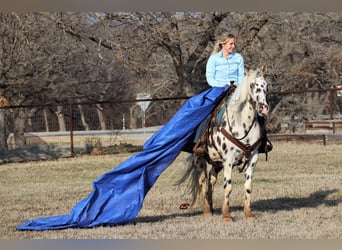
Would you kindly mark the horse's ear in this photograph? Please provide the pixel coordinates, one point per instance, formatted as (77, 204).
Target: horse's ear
(247, 70)
(263, 69)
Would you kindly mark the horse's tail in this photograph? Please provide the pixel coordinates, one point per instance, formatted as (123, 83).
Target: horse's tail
(191, 175)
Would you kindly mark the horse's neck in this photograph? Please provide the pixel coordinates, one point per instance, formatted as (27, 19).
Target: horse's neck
(240, 116)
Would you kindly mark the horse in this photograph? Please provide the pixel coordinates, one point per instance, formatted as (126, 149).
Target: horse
(231, 141)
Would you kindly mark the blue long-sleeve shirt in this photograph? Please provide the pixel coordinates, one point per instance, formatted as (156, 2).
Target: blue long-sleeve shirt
(220, 71)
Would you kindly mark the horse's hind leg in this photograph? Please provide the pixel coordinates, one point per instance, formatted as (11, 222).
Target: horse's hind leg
(207, 181)
(211, 185)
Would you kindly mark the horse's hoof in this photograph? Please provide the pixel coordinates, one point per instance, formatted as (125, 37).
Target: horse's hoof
(250, 217)
(227, 219)
(207, 214)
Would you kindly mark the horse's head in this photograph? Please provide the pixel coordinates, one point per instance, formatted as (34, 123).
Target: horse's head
(259, 89)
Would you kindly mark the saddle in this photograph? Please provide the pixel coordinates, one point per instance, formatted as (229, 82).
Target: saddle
(200, 148)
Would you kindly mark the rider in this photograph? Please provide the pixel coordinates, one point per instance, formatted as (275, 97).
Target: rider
(224, 68)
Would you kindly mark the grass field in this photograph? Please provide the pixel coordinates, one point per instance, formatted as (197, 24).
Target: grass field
(296, 195)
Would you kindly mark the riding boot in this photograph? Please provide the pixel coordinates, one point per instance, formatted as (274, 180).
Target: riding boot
(266, 145)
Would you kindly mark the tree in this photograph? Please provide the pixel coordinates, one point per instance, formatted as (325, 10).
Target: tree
(3, 122)
(64, 57)
(41, 63)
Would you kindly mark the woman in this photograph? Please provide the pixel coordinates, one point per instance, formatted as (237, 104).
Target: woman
(225, 66)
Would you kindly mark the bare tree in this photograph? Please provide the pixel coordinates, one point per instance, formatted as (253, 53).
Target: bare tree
(64, 57)
(41, 62)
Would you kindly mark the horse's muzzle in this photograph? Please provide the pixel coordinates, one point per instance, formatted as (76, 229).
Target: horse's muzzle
(263, 109)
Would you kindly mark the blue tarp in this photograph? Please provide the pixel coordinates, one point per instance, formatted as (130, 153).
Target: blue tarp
(118, 195)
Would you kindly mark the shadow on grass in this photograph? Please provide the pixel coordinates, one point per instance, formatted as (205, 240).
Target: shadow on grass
(268, 205)
(287, 203)
(158, 218)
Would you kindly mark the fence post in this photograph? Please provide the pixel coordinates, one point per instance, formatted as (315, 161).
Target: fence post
(331, 104)
(324, 140)
(71, 128)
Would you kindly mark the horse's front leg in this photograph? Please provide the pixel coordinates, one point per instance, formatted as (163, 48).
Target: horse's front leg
(227, 186)
(248, 186)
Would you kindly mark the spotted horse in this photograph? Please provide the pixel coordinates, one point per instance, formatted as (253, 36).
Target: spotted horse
(231, 141)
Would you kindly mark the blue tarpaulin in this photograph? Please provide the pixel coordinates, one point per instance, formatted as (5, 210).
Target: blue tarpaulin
(118, 195)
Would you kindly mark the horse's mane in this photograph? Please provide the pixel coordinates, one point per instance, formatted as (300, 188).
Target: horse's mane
(241, 95)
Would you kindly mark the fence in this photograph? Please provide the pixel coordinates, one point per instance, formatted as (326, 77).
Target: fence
(302, 111)
(75, 128)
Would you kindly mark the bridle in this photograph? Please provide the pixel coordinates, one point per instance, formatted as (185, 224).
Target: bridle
(246, 148)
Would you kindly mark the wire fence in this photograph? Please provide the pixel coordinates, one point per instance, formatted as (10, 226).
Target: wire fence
(76, 128)
(308, 111)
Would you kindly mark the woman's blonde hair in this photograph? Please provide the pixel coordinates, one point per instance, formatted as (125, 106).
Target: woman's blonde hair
(222, 39)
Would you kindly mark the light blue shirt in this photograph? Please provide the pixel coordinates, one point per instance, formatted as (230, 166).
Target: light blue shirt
(220, 71)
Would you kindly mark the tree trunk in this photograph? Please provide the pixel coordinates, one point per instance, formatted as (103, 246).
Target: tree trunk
(60, 118)
(3, 131)
(3, 122)
(133, 116)
(19, 129)
(83, 120)
(101, 117)
(46, 120)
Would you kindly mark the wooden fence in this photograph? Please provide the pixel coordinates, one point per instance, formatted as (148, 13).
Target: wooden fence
(323, 126)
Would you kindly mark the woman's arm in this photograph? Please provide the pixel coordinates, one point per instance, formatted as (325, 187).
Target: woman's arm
(210, 72)
(241, 71)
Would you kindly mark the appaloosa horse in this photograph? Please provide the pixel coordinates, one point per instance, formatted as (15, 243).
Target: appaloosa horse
(228, 142)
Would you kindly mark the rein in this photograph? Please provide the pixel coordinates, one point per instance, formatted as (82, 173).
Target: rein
(246, 148)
